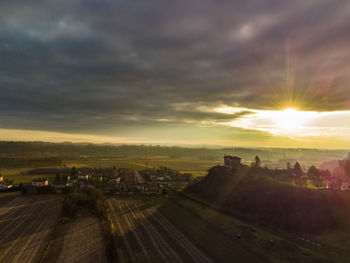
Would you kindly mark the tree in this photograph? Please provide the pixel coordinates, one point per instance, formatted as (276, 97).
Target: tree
(57, 178)
(257, 161)
(314, 175)
(73, 171)
(299, 175)
(297, 170)
(325, 174)
(347, 167)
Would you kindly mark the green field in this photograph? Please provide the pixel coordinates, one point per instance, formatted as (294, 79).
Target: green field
(186, 165)
(20, 176)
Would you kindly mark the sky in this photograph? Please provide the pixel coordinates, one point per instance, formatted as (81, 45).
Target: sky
(227, 73)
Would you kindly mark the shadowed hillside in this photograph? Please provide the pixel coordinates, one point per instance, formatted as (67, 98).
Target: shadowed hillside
(248, 193)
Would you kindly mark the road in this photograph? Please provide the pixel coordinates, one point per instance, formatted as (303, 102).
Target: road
(150, 237)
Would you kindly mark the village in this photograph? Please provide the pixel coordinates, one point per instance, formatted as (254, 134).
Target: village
(111, 180)
(161, 180)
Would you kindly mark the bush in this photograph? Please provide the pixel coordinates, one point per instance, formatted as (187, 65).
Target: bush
(69, 207)
(93, 199)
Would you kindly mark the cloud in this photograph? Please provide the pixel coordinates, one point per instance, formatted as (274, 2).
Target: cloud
(105, 67)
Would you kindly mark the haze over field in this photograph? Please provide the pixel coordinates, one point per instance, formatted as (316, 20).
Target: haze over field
(229, 73)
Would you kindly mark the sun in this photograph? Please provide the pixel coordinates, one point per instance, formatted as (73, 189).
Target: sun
(290, 120)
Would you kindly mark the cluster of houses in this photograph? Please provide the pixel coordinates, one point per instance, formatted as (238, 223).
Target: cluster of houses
(40, 182)
(149, 181)
(340, 183)
(61, 181)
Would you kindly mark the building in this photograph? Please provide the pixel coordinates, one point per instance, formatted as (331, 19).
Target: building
(4, 186)
(83, 177)
(40, 182)
(129, 178)
(340, 183)
(288, 166)
(345, 185)
(232, 162)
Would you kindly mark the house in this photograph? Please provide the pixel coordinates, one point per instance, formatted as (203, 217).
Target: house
(340, 183)
(61, 181)
(129, 178)
(152, 187)
(345, 186)
(40, 182)
(157, 178)
(60, 186)
(344, 183)
(232, 162)
(153, 178)
(4, 186)
(83, 177)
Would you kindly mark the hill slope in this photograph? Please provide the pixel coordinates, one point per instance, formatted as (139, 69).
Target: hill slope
(250, 194)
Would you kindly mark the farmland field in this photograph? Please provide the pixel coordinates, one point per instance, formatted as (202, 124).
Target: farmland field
(25, 226)
(186, 165)
(83, 242)
(232, 238)
(21, 176)
(148, 236)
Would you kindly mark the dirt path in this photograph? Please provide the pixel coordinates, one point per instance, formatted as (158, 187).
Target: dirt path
(83, 242)
(150, 237)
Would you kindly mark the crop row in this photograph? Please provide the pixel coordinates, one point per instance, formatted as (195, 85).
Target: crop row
(150, 237)
(25, 224)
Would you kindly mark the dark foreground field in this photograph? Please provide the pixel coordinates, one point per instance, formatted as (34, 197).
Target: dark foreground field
(148, 236)
(177, 229)
(228, 239)
(25, 226)
(148, 229)
(83, 242)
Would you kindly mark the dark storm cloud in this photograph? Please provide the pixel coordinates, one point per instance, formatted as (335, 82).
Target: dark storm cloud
(100, 65)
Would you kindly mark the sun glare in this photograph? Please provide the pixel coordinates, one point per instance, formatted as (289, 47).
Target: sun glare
(290, 120)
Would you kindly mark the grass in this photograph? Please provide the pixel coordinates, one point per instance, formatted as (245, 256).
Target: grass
(226, 237)
(185, 165)
(20, 176)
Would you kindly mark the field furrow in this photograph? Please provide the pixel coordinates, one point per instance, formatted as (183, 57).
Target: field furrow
(83, 242)
(26, 226)
(157, 239)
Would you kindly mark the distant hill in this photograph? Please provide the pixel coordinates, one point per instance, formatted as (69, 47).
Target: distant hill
(267, 155)
(250, 194)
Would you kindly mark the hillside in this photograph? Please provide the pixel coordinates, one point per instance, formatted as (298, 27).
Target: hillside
(248, 193)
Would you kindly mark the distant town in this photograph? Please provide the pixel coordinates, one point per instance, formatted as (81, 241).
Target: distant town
(163, 179)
